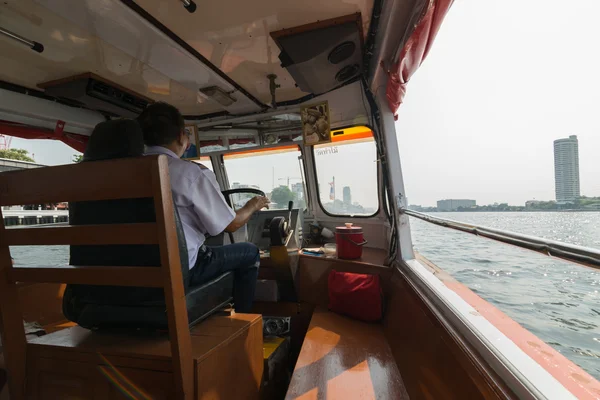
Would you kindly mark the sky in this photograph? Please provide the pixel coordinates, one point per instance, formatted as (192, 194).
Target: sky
(503, 81)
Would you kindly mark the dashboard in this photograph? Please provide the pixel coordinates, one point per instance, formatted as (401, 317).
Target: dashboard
(258, 230)
(260, 223)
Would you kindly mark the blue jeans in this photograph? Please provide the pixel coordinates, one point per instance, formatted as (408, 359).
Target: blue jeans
(241, 258)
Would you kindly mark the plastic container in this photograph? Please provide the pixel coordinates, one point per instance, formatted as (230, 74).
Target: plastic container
(350, 241)
(329, 249)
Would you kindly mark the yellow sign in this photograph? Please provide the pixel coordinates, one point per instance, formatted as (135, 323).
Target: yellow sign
(316, 127)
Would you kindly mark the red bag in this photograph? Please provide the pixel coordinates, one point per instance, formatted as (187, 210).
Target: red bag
(356, 295)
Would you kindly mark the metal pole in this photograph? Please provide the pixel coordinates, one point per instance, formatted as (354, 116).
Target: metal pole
(189, 5)
(33, 45)
(570, 252)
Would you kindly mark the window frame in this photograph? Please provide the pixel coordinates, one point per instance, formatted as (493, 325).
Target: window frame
(303, 167)
(378, 210)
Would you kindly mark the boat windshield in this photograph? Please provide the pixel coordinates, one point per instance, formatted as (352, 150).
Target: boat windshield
(277, 172)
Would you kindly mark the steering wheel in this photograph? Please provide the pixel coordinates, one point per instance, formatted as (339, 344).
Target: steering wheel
(228, 193)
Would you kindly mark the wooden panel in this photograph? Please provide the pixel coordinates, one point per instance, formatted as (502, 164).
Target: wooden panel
(181, 345)
(226, 347)
(82, 235)
(282, 266)
(59, 379)
(11, 324)
(52, 379)
(370, 257)
(224, 327)
(154, 385)
(314, 271)
(42, 303)
(343, 358)
(100, 180)
(138, 361)
(233, 370)
(433, 363)
(119, 276)
(79, 344)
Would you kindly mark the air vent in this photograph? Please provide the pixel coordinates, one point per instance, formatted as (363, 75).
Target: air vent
(341, 52)
(321, 55)
(96, 93)
(349, 71)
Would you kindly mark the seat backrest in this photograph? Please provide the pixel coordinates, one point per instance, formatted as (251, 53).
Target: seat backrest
(114, 179)
(114, 140)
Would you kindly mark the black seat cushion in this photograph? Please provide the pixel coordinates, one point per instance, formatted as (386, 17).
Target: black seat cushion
(93, 306)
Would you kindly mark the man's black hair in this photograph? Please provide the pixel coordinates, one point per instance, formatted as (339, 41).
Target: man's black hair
(161, 124)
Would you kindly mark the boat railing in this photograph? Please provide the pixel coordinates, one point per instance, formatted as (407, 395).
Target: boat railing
(578, 254)
(519, 367)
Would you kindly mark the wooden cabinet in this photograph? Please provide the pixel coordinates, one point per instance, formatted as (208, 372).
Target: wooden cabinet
(78, 364)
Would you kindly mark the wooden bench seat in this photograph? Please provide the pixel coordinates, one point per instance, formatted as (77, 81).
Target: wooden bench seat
(95, 365)
(342, 358)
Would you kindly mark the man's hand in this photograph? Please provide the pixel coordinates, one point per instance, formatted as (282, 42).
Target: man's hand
(259, 202)
(243, 214)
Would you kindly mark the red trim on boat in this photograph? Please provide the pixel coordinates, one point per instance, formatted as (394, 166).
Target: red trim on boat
(571, 376)
(77, 142)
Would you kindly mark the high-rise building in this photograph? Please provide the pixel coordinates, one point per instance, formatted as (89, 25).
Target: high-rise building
(298, 190)
(347, 193)
(566, 169)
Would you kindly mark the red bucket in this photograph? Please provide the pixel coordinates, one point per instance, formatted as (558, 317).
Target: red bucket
(349, 241)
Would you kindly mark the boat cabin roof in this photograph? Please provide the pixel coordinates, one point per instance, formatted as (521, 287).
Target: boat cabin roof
(159, 51)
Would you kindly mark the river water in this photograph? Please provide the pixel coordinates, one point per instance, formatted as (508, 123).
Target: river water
(556, 300)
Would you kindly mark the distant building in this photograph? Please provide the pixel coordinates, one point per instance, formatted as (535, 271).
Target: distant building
(6, 165)
(566, 169)
(13, 165)
(532, 203)
(298, 190)
(237, 185)
(454, 204)
(347, 193)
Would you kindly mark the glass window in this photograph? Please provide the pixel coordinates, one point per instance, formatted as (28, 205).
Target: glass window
(347, 173)
(276, 172)
(210, 142)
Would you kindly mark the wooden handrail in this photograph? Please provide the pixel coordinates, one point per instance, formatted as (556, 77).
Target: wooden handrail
(181, 340)
(127, 178)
